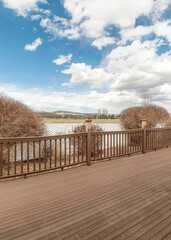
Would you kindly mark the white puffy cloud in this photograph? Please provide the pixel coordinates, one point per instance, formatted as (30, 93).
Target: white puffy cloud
(129, 70)
(49, 26)
(138, 66)
(114, 101)
(60, 27)
(53, 100)
(62, 59)
(46, 12)
(33, 46)
(71, 33)
(160, 28)
(61, 20)
(161, 94)
(134, 33)
(93, 19)
(159, 7)
(94, 16)
(102, 42)
(82, 73)
(161, 4)
(23, 7)
(35, 17)
(163, 29)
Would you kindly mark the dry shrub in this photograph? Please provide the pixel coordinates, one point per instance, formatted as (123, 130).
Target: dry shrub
(131, 117)
(83, 144)
(168, 123)
(17, 120)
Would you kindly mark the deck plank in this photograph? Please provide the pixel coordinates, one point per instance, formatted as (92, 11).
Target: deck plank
(127, 198)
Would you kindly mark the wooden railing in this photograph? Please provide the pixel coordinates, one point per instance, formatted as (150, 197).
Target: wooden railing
(115, 144)
(157, 138)
(23, 156)
(29, 155)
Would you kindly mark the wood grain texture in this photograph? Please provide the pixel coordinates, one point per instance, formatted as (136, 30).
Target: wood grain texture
(126, 198)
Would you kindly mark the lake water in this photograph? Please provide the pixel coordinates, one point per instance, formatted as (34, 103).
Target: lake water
(67, 128)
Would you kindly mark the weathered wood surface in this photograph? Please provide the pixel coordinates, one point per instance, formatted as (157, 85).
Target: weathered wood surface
(126, 198)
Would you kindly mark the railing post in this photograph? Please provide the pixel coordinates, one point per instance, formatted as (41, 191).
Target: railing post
(143, 125)
(88, 130)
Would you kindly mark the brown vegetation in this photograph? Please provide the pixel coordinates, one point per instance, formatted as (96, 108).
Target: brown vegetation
(63, 115)
(168, 123)
(131, 117)
(17, 120)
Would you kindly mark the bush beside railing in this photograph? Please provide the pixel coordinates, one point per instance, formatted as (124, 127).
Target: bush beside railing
(23, 156)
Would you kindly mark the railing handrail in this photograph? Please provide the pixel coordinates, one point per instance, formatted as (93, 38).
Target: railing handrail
(157, 129)
(40, 138)
(120, 131)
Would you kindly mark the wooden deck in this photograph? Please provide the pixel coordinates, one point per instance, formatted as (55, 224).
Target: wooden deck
(127, 198)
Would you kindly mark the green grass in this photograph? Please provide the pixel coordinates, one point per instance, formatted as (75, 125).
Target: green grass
(60, 120)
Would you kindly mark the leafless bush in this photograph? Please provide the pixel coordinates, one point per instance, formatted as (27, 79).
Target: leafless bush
(168, 123)
(131, 117)
(17, 120)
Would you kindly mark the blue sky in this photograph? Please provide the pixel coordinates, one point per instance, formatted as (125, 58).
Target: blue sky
(85, 55)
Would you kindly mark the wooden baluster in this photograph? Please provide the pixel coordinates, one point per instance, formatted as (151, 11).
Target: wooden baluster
(125, 143)
(97, 145)
(94, 150)
(1, 160)
(60, 140)
(45, 154)
(8, 169)
(55, 152)
(69, 150)
(107, 145)
(74, 151)
(34, 160)
(28, 157)
(82, 148)
(119, 144)
(122, 143)
(89, 146)
(129, 143)
(111, 145)
(136, 147)
(134, 142)
(104, 145)
(65, 151)
(50, 154)
(116, 144)
(15, 158)
(21, 157)
(39, 155)
(101, 145)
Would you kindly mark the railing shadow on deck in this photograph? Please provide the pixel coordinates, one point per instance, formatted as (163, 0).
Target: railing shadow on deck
(30, 155)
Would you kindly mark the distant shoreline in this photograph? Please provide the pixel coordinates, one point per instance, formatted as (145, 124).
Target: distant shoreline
(70, 120)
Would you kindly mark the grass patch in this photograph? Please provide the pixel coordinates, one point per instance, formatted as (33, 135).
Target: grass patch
(60, 120)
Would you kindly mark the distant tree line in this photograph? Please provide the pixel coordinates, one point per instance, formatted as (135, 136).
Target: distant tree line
(66, 115)
(103, 114)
